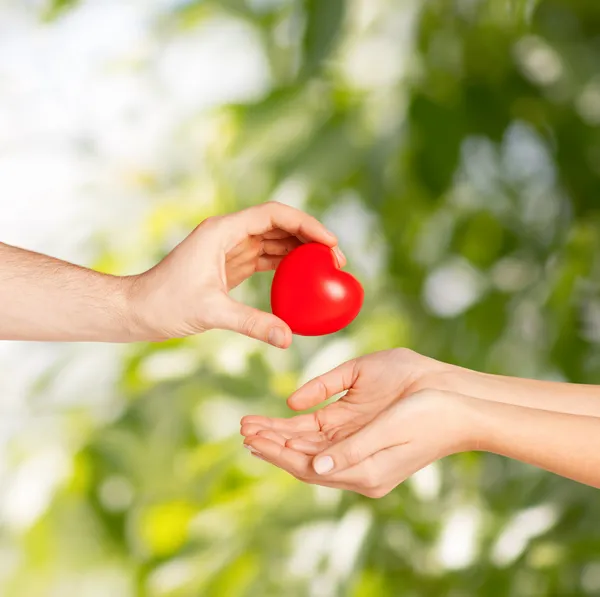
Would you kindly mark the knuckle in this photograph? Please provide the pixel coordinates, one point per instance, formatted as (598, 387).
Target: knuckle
(268, 206)
(321, 385)
(248, 324)
(210, 222)
(405, 353)
(354, 453)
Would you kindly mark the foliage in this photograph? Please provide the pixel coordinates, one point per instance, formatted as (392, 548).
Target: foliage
(455, 148)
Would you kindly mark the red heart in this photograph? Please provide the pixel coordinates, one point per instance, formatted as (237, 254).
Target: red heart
(312, 295)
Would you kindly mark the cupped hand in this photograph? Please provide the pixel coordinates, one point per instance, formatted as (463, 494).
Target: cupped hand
(382, 452)
(387, 405)
(188, 291)
(371, 384)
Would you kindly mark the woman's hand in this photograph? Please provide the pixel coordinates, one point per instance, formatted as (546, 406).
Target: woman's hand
(374, 415)
(372, 383)
(377, 451)
(389, 424)
(187, 292)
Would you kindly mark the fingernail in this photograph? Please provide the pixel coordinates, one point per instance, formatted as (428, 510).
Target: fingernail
(277, 337)
(340, 256)
(251, 449)
(323, 465)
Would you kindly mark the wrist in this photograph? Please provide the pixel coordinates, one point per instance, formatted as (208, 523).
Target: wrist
(470, 383)
(139, 321)
(479, 417)
(470, 422)
(451, 420)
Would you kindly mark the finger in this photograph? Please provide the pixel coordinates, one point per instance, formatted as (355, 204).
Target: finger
(341, 258)
(252, 429)
(298, 423)
(344, 432)
(294, 462)
(277, 233)
(239, 273)
(325, 386)
(378, 435)
(265, 422)
(248, 246)
(310, 436)
(273, 436)
(257, 454)
(267, 263)
(269, 216)
(283, 465)
(240, 318)
(304, 445)
(280, 247)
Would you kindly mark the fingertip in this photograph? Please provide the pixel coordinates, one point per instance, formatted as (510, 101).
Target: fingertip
(339, 255)
(302, 399)
(244, 431)
(332, 239)
(280, 334)
(252, 419)
(319, 234)
(280, 337)
(288, 339)
(250, 429)
(250, 441)
(300, 403)
(292, 402)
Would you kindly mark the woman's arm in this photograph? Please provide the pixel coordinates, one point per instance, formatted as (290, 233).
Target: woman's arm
(412, 433)
(390, 423)
(565, 444)
(547, 395)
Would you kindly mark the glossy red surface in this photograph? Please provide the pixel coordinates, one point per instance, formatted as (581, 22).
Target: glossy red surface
(312, 295)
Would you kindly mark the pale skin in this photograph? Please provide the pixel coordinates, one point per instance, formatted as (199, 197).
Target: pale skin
(187, 293)
(402, 411)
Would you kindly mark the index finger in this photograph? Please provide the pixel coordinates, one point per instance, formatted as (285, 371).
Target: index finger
(272, 215)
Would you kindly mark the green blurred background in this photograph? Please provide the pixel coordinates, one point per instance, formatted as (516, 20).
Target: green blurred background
(454, 147)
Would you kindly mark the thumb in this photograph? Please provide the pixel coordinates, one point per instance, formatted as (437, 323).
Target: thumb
(374, 437)
(251, 322)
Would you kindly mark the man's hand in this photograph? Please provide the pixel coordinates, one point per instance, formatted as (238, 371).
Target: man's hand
(46, 299)
(187, 292)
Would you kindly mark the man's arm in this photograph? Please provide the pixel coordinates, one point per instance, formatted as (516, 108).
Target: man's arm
(187, 293)
(42, 298)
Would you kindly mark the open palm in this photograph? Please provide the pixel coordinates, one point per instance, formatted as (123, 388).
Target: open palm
(372, 383)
